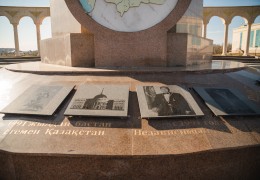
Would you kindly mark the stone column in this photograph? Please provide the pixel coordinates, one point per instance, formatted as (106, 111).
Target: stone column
(16, 39)
(246, 52)
(225, 43)
(38, 31)
(205, 30)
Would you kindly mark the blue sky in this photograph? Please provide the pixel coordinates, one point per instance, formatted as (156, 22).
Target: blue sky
(27, 31)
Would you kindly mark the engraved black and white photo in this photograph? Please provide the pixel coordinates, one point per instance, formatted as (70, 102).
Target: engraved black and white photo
(227, 101)
(99, 100)
(168, 101)
(40, 98)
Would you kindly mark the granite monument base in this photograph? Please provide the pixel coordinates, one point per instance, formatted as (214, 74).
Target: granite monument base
(239, 163)
(73, 147)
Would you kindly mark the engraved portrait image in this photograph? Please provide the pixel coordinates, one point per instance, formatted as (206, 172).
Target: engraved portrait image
(224, 101)
(100, 100)
(166, 101)
(39, 100)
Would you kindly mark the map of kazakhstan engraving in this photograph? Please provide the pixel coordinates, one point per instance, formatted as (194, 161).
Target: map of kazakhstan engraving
(122, 5)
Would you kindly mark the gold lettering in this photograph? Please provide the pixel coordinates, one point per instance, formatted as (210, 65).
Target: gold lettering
(21, 123)
(156, 133)
(65, 124)
(68, 132)
(93, 133)
(101, 133)
(36, 132)
(23, 132)
(49, 131)
(55, 132)
(75, 132)
(30, 132)
(144, 133)
(12, 123)
(62, 132)
(138, 132)
(92, 124)
(32, 124)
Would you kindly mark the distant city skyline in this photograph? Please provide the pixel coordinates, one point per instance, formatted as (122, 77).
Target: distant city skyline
(27, 30)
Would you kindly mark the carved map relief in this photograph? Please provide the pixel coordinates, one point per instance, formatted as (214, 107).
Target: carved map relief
(39, 100)
(166, 101)
(225, 101)
(100, 100)
(128, 15)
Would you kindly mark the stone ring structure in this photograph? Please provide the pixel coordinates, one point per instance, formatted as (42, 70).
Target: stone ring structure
(134, 49)
(95, 28)
(163, 43)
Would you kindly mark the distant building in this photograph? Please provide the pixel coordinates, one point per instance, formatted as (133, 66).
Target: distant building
(239, 39)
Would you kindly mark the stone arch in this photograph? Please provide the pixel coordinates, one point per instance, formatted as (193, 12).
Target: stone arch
(23, 35)
(249, 13)
(7, 16)
(256, 17)
(220, 31)
(25, 15)
(45, 32)
(235, 38)
(15, 14)
(7, 41)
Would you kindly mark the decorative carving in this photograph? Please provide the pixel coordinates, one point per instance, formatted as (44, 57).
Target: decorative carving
(35, 13)
(228, 12)
(12, 13)
(206, 13)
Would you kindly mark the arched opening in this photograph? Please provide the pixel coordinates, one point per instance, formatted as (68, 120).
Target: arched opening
(7, 37)
(255, 38)
(215, 31)
(46, 28)
(237, 36)
(27, 37)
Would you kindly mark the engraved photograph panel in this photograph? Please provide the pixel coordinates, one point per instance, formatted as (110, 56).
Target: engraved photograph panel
(99, 100)
(39, 100)
(166, 101)
(224, 101)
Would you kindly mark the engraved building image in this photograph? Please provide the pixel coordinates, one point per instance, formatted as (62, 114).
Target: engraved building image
(99, 102)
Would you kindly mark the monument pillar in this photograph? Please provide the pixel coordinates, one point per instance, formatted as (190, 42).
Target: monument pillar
(38, 31)
(205, 30)
(16, 39)
(225, 43)
(246, 52)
